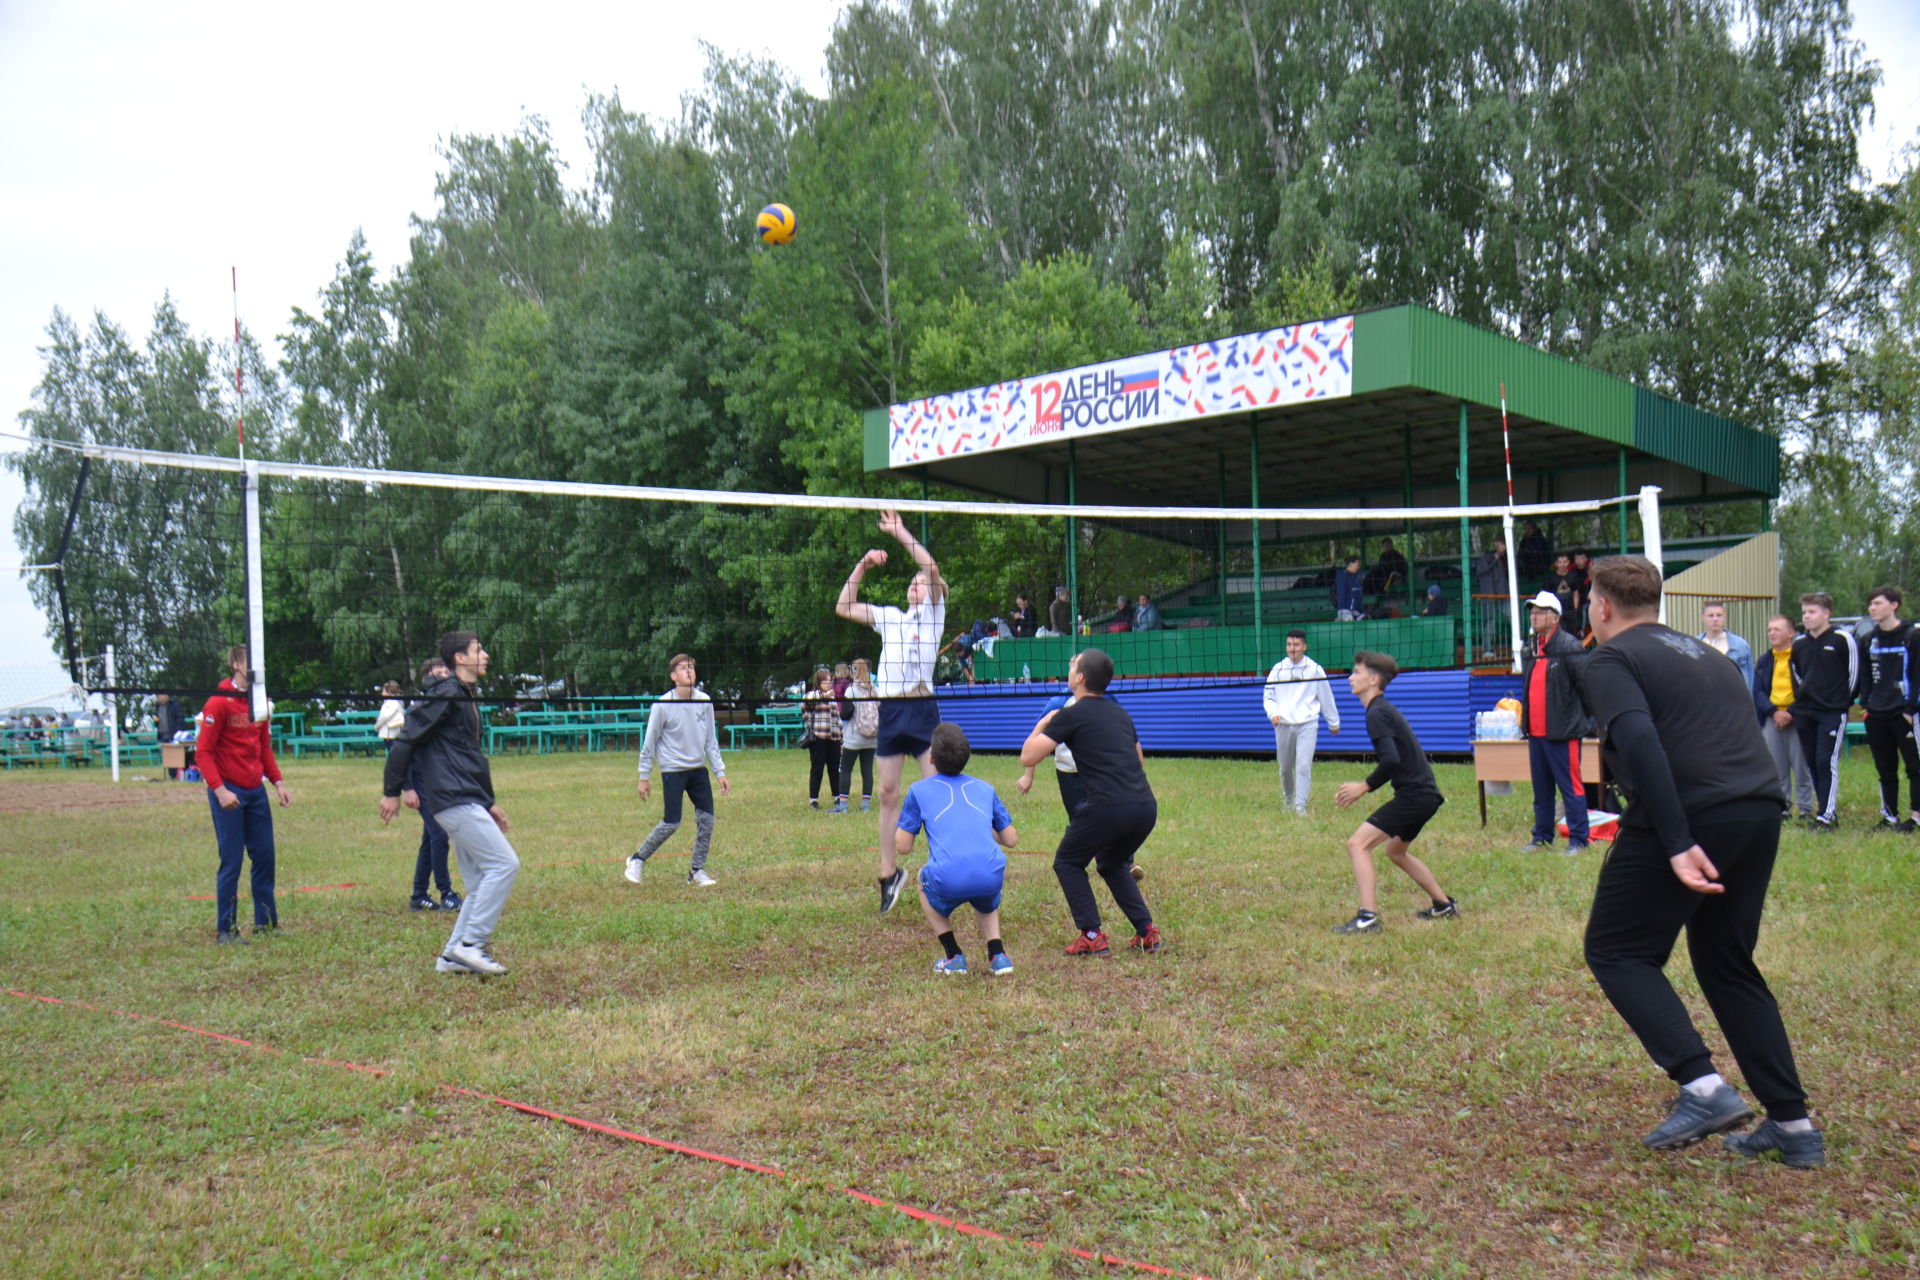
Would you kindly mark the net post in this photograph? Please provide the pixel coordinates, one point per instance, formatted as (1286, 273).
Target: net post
(1650, 535)
(256, 600)
(113, 715)
(1623, 506)
(1513, 586)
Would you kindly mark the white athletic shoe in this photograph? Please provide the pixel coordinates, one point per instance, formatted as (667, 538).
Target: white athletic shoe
(475, 957)
(636, 867)
(700, 878)
(444, 965)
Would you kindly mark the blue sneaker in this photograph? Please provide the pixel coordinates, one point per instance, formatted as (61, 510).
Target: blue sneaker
(1690, 1119)
(953, 964)
(1002, 963)
(839, 806)
(1804, 1150)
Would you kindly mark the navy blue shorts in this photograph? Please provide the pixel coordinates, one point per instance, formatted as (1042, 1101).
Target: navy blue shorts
(982, 903)
(906, 726)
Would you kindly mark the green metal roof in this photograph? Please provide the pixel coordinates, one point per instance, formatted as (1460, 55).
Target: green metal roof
(1412, 370)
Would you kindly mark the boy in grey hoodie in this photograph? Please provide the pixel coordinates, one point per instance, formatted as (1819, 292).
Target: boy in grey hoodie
(681, 736)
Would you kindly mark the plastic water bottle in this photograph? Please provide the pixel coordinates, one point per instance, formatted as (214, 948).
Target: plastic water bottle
(1026, 673)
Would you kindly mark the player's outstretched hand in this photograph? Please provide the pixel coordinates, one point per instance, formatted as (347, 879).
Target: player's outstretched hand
(874, 558)
(892, 525)
(1349, 793)
(1696, 871)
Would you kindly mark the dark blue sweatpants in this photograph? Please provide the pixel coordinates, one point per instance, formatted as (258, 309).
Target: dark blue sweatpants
(245, 829)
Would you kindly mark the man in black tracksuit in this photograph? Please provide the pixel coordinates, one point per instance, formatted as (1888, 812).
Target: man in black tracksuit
(1890, 692)
(1696, 850)
(1826, 672)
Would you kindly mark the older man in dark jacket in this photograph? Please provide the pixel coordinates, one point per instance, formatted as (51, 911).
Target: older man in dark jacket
(1554, 721)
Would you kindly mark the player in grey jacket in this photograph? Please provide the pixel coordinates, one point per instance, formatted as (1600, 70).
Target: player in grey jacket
(682, 740)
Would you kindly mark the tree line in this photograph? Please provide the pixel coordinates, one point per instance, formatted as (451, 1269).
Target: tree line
(1669, 192)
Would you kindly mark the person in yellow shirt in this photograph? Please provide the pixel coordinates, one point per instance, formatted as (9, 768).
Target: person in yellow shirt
(1773, 697)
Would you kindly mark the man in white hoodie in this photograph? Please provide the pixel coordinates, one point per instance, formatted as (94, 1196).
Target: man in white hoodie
(1297, 695)
(681, 737)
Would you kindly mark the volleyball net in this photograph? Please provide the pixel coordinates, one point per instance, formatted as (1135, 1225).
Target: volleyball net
(342, 579)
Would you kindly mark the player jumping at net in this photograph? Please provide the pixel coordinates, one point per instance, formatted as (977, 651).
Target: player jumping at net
(909, 643)
(1398, 822)
(681, 737)
(445, 729)
(963, 818)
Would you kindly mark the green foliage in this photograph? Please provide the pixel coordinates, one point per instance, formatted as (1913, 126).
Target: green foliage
(992, 188)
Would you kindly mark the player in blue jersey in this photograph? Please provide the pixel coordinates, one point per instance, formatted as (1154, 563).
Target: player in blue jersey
(963, 818)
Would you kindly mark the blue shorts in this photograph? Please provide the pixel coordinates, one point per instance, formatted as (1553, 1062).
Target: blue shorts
(946, 906)
(906, 726)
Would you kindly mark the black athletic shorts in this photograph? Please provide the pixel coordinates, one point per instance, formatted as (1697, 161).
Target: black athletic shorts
(906, 726)
(1403, 817)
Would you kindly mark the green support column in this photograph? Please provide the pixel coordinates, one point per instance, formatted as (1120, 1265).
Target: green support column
(1406, 500)
(1623, 506)
(1259, 648)
(1220, 551)
(1464, 604)
(1766, 515)
(1073, 539)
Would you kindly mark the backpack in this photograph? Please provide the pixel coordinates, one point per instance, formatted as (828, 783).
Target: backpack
(866, 716)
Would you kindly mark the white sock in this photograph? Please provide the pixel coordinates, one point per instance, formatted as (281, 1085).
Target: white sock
(1802, 1125)
(1705, 1085)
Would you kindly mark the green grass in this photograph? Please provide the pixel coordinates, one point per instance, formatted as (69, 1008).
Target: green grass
(1264, 1099)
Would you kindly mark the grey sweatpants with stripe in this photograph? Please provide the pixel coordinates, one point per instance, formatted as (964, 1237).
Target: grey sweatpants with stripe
(488, 866)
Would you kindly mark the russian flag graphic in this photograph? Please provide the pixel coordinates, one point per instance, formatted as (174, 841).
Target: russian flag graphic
(1144, 380)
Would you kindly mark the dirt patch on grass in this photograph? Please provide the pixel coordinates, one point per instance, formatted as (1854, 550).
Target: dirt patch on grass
(65, 797)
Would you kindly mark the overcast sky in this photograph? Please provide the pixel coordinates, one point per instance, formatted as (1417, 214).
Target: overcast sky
(148, 148)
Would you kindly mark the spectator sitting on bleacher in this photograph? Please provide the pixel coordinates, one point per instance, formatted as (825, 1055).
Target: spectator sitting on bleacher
(1436, 606)
(1122, 615)
(1349, 593)
(1390, 570)
(1146, 615)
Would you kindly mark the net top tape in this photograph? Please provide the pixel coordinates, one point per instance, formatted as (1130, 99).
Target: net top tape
(733, 498)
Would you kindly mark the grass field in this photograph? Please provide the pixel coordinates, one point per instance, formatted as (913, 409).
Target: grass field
(1263, 1099)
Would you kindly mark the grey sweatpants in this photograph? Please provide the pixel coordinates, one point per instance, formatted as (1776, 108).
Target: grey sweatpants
(488, 865)
(1293, 746)
(1796, 780)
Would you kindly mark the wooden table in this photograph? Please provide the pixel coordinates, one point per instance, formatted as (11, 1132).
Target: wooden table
(1505, 760)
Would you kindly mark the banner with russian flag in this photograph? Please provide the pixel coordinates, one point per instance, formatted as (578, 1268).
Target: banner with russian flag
(1302, 362)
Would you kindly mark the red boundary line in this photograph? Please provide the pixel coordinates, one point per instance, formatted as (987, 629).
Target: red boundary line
(627, 1135)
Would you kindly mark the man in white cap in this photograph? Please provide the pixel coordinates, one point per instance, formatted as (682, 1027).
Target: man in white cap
(1553, 721)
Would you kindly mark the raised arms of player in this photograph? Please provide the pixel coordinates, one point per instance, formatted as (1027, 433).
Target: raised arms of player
(892, 525)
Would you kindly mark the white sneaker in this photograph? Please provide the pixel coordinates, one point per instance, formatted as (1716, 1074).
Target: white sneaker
(444, 965)
(474, 957)
(700, 878)
(636, 867)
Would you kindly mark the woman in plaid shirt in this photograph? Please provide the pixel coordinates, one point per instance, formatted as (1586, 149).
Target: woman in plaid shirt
(821, 712)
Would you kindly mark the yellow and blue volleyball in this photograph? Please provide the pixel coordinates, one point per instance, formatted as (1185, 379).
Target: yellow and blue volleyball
(775, 224)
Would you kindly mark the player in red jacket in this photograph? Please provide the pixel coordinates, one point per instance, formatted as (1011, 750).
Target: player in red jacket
(235, 756)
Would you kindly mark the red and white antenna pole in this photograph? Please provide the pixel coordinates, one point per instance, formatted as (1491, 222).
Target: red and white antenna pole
(239, 375)
(1507, 534)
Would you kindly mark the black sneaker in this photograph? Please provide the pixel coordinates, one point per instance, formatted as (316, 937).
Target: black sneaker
(1363, 922)
(1450, 910)
(1690, 1119)
(422, 902)
(450, 901)
(1906, 826)
(1805, 1150)
(890, 889)
(1822, 826)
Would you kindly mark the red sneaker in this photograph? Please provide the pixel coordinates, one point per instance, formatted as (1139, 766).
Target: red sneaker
(1097, 945)
(1148, 941)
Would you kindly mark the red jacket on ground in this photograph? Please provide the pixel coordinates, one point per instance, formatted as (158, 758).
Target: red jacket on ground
(233, 750)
